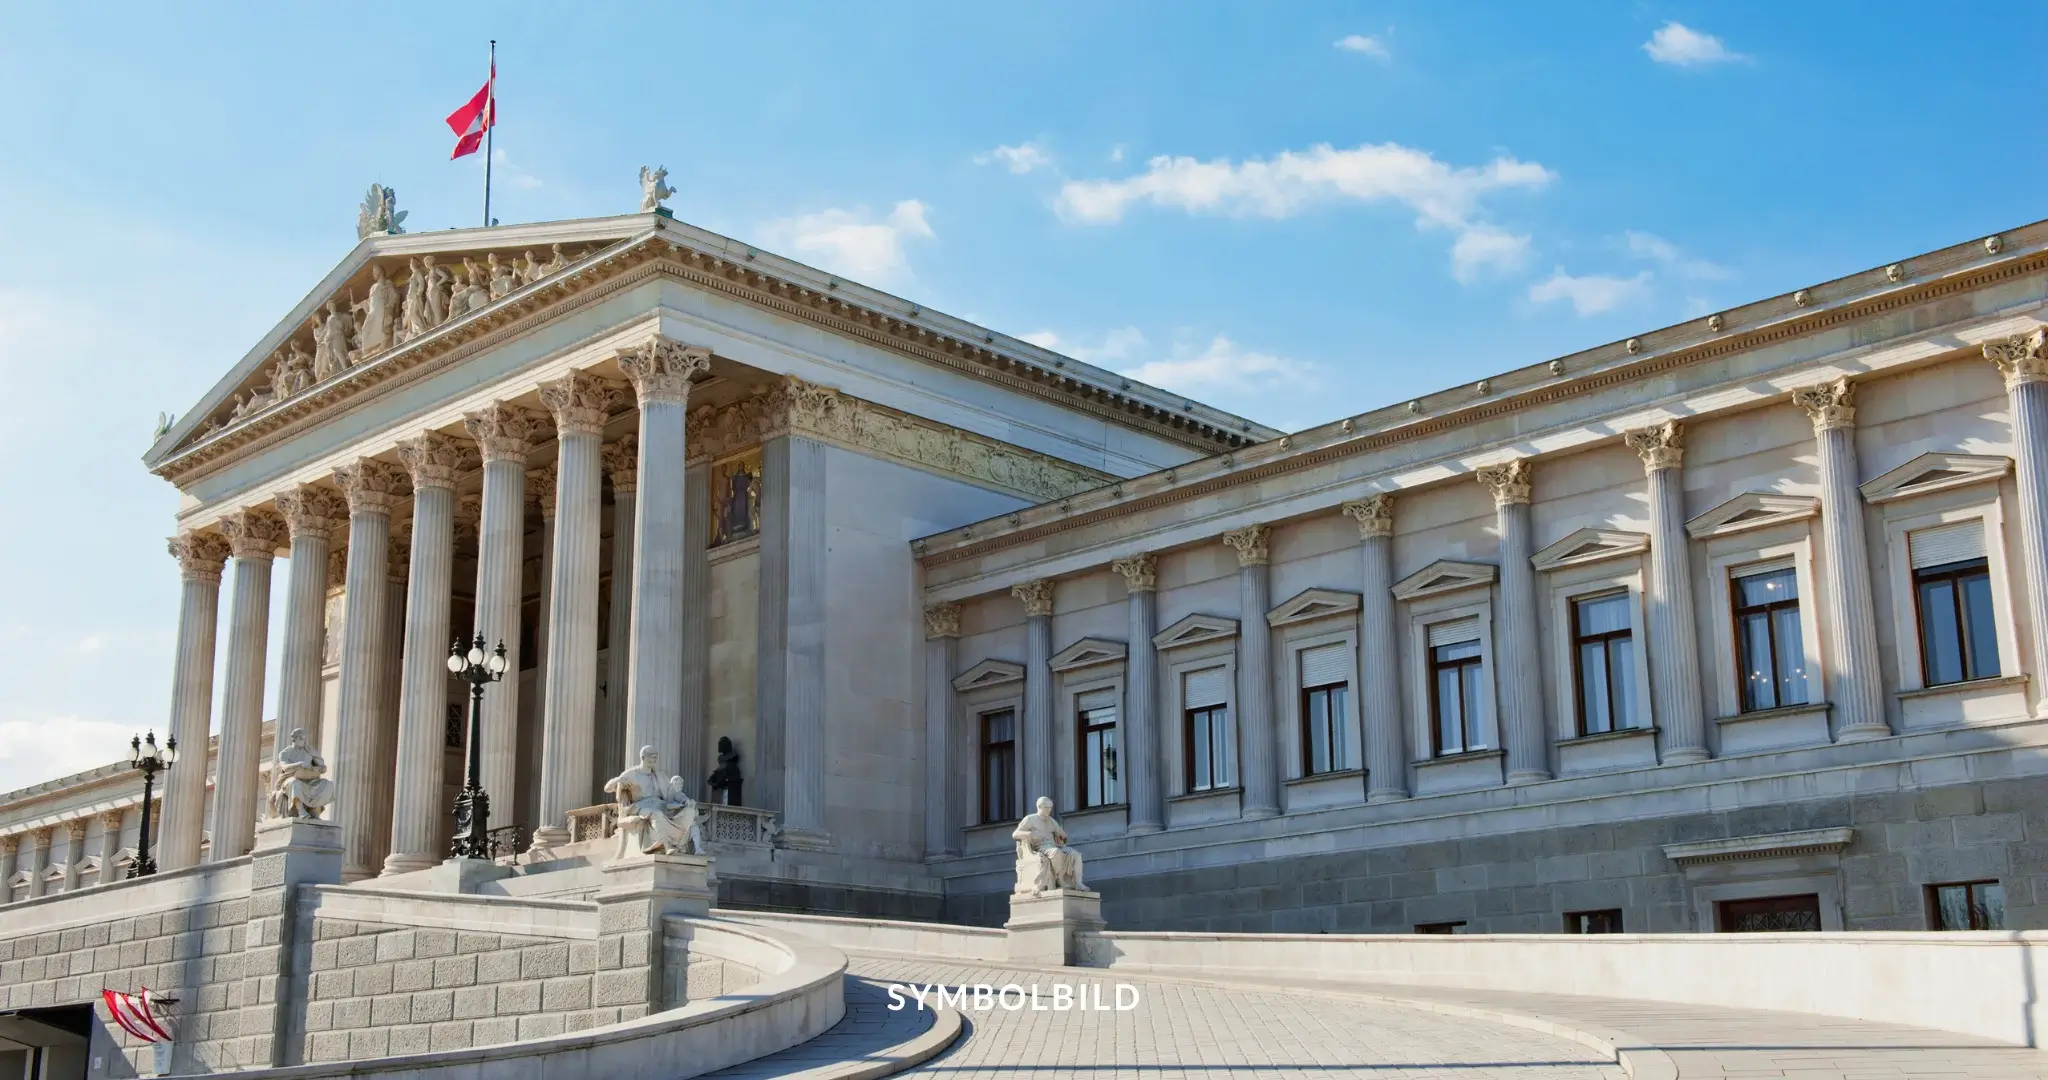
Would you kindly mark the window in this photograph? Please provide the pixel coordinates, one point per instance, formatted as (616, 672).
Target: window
(1603, 663)
(1325, 688)
(1607, 921)
(1440, 927)
(1769, 914)
(1455, 689)
(1096, 728)
(999, 765)
(1952, 594)
(1770, 651)
(1969, 905)
(1206, 743)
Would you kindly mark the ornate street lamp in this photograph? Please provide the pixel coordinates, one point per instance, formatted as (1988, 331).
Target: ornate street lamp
(151, 761)
(473, 805)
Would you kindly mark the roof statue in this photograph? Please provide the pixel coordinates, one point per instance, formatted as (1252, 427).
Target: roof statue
(379, 215)
(653, 192)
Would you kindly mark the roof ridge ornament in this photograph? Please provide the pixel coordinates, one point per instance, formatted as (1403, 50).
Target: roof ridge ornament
(379, 214)
(653, 192)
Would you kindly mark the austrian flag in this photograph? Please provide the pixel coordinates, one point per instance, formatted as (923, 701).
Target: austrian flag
(132, 1012)
(476, 116)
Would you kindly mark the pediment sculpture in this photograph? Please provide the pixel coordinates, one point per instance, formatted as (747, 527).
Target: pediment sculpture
(300, 789)
(1044, 861)
(654, 814)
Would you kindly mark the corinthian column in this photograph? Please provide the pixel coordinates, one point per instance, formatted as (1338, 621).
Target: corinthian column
(200, 559)
(622, 464)
(790, 676)
(254, 536)
(1037, 598)
(74, 851)
(506, 434)
(1261, 772)
(581, 404)
(312, 514)
(434, 460)
(39, 859)
(1379, 667)
(1520, 678)
(540, 491)
(110, 850)
(941, 656)
(10, 850)
(1673, 639)
(1855, 689)
(661, 371)
(2023, 360)
(1141, 694)
(373, 489)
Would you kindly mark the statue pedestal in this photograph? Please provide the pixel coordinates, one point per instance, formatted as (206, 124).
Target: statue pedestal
(307, 835)
(639, 894)
(1045, 928)
(659, 884)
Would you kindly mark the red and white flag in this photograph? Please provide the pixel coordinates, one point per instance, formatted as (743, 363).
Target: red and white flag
(476, 116)
(132, 1012)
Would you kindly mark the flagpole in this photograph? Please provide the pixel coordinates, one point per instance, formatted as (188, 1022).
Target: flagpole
(490, 121)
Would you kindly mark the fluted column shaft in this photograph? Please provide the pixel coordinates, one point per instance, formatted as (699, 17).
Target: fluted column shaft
(1673, 643)
(505, 435)
(373, 488)
(312, 514)
(803, 780)
(1038, 756)
(941, 656)
(696, 645)
(74, 851)
(1379, 667)
(1855, 689)
(10, 848)
(254, 536)
(39, 860)
(200, 558)
(390, 678)
(2023, 360)
(1520, 678)
(111, 824)
(434, 462)
(612, 740)
(1143, 789)
(1260, 773)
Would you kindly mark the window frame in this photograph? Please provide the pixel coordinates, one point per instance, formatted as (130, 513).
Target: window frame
(1738, 614)
(981, 751)
(1081, 730)
(1572, 924)
(1933, 902)
(1294, 642)
(1477, 604)
(1955, 574)
(1577, 641)
(1911, 514)
(1470, 726)
(1727, 555)
(1175, 665)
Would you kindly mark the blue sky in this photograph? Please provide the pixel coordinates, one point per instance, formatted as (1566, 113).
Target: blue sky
(1294, 211)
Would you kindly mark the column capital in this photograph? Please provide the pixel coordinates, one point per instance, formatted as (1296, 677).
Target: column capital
(435, 460)
(255, 533)
(398, 553)
(312, 511)
(43, 836)
(372, 486)
(9, 844)
(200, 555)
(2021, 358)
(75, 829)
(1374, 514)
(941, 621)
(622, 463)
(506, 432)
(660, 369)
(1828, 404)
(807, 407)
(1509, 481)
(1661, 446)
(1140, 571)
(581, 402)
(540, 489)
(111, 820)
(1037, 597)
(1250, 543)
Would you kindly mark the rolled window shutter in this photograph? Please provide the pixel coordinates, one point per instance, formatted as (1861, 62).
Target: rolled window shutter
(1207, 688)
(1946, 544)
(1097, 699)
(1454, 633)
(1325, 665)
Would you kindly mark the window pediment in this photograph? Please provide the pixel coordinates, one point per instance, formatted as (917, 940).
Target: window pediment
(1087, 652)
(20, 878)
(1935, 472)
(989, 673)
(1313, 604)
(1589, 546)
(1442, 576)
(1752, 510)
(1194, 630)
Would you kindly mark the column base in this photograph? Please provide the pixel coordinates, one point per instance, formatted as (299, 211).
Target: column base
(1144, 828)
(1691, 755)
(1863, 733)
(405, 864)
(1252, 813)
(1045, 928)
(1376, 797)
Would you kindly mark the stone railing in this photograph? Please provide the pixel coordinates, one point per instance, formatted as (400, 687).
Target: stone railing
(722, 826)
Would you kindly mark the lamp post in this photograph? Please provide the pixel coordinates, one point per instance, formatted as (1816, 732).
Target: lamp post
(473, 805)
(145, 756)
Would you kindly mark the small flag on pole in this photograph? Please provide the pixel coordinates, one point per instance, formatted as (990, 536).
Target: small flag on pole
(476, 116)
(132, 1012)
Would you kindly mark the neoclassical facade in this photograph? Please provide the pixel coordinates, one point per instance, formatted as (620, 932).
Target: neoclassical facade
(1737, 624)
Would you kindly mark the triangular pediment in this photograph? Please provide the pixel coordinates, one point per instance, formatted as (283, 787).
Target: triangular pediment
(1935, 472)
(1085, 652)
(20, 878)
(1589, 546)
(1442, 576)
(989, 673)
(1194, 630)
(1752, 510)
(55, 872)
(1313, 604)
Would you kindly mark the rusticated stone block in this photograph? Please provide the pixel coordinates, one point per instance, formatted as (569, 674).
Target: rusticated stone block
(566, 994)
(433, 1006)
(544, 961)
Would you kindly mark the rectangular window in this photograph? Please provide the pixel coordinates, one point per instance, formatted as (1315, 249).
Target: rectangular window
(1770, 651)
(1607, 921)
(999, 766)
(1440, 927)
(1325, 688)
(1455, 694)
(1952, 590)
(1769, 914)
(1095, 727)
(1206, 743)
(1603, 663)
(1967, 905)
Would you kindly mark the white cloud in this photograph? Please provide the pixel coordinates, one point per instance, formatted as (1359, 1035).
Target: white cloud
(1365, 44)
(35, 750)
(1681, 46)
(855, 243)
(1481, 248)
(1118, 346)
(1593, 294)
(1020, 159)
(513, 174)
(1654, 248)
(1224, 366)
(92, 643)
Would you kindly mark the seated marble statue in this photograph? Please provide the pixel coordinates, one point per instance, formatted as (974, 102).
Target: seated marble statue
(300, 788)
(654, 814)
(1044, 861)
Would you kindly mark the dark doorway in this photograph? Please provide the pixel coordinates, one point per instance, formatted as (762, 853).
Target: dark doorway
(1769, 915)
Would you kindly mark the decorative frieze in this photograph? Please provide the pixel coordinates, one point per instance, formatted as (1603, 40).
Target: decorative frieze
(436, 460)
(622, 463)
(1830, 405)
(581, 402)
(2021, 358)
(1374, 514)
(941, 621)
(310, 510)
(1661, 447)
(1037, 597)
(372, 486)
(255, 533)
(1140, 571)
(1508, 481)
(200, 555)
(506, 432)
(1250, 543)
(661, 370)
